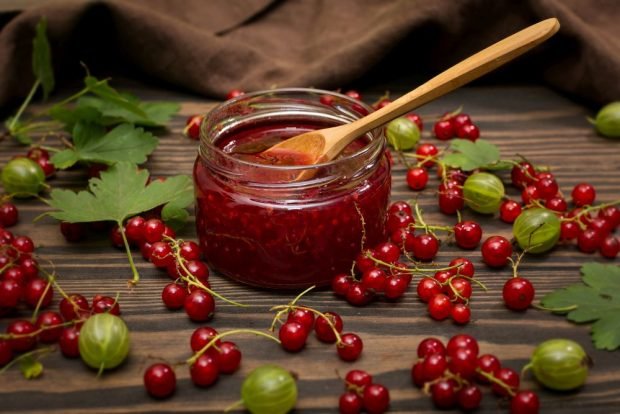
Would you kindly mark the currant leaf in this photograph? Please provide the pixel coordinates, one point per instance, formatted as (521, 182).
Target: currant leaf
(156, 114)
(91, 143)
(121, 192)
(596, 300)
(42, 60)
(469, 156)
(30, 367)
(109, 94)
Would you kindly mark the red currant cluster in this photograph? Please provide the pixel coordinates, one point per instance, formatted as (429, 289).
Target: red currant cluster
(451, 374)
(449, 291)
(456, 124)
(361, 394)
(211, 357)
(9, 215)
(591, 225)
(327, 326)
(20, 282)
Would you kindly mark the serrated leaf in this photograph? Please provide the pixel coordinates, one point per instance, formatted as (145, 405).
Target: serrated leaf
(70, 117)
(606, 333)
(468, 155)
(42, 59)
(121, 192)
(30, 367)
(92, 144)
(605, 278)
(106, 92)
(597, 300)
(156, 113)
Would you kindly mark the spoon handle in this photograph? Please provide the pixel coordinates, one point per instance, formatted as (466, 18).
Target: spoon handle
(458, 75)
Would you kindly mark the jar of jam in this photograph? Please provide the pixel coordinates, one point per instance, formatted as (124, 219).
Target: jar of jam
(256, 222)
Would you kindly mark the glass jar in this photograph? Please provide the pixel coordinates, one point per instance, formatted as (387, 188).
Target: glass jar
(256, 223)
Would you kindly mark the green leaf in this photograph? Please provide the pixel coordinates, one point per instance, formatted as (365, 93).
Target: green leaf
(70, 117)
(93, 144)
(30, 367)
(109, 94)
(42, 60)
(156, 114)
(121, 192)
(468, 155)
(596, 300)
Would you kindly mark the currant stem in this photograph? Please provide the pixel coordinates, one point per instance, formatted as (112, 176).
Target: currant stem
(50, 280)
(136, 276)
(190, 361)
(497, 381)
(288, 308)
(38, 351)
(563, 309)
(22, 108)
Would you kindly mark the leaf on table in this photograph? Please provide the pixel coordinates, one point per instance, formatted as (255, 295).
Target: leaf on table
(596, 300)
(30, 367)
(91, 143)
(156, 114)
(109, 94)
(42, 59)
(468, 155)
(120, 193)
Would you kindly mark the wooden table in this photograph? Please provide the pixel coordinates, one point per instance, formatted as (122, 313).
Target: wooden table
(532, 121)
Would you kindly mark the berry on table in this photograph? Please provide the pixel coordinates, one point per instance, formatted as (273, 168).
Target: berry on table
(496, 250)
(160, 380)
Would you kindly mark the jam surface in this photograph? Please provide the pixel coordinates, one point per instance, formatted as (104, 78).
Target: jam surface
(285, 241)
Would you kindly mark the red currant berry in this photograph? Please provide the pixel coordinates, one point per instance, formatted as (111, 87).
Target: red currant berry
(462, 341)
(418, 374)
(134, 229)
(439, 307)
(161, 254)
(509, 210)
(363, 261)
(610, 246)
(15, 274)
(74, 232)
(116, 238)
(518, 293)
(38, 291)
(23, 244)
(359, 295)
(49, 323)
(460, 120)
(233, 93)
(583, 195)
(556, 204)
(425, 247)
(427, 288)
(160, 380)
(374, 279)
(350, 347)
(106, 304)
(387, 252)
(10, 293)
(416, 119)
(400, 206)
(470, 132)
(488, 364)
(397, 220)
(192, 127)
(153, 230)
(510, 379)
(443, 393)
(417, 178)
(199, 306)
(469, 397)
(427, 151)
(443, 130)
(451, 200)
(467, 234)
(228, 358)
(376, 399)
(201, 337)
(396, 286)
(9, 215)
(460, 313)
(612, 214)
(430, 346)
(6, 353)
(352, 93)
(173, 295)
(569, 230)
(323, 329)
(529, 194)
(24, 338)
(523, 175)
(69, 342)
(547, 188)
(461, 266)
(589, 240)
(496, 250)
(304, 317)
(350, 403)
(204, 372)
(463, 363)
(293, 336)
(341, 284)
(459, 290)
(524, 402)
(356, 378)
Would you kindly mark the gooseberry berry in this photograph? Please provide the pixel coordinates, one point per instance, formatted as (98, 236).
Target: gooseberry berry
(483, 192)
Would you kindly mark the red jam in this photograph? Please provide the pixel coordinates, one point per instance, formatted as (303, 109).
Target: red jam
(259, 227)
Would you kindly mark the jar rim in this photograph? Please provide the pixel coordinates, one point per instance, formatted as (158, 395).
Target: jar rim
(374, 144)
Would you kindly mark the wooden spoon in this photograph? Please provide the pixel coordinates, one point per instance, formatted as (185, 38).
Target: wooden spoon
(325, 144)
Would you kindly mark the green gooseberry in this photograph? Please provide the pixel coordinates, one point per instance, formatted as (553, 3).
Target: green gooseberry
(537, 230)
(22, 177)
(607, 121)
(483, 192)
(560, 364)
(104, 341)
(402, 134)
(269, 389)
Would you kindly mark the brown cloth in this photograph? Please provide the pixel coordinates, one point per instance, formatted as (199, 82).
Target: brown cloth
(213, 46)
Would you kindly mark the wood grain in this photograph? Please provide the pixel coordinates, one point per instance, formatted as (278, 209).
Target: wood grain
(531, 121)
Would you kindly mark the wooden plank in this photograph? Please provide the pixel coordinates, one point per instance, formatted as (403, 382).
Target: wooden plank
(531, 121)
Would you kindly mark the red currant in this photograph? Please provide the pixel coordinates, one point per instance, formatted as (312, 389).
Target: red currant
(204, 372)
(376, 399)
(523, 175)
(303, 316)
(489, 364)
(324, 332)
(427, 288)
(350, 347)
(9, 215)
(556, 204)
(524, 402)
(428, 151)
(518, 293)
(467, 234)
(509, 210)
(460, 313)
(451, 200)
(510, 378)
(228, 357)
(357, 378)
(192, 127)
(38, 291)
(350, 403)
(443, 393)
(173, 295)
(469, 397)
(443, 130)
(199, 306)
(439, 307)
(69, 341)
(160, 380)
(293, 336)
(496, 250)
(23, 331)
(583, 195)
(50, 324)
(462, 341)
(425, 247)
(201, 337)
(610, 246)
(589, 240)
(416, 119)
(417, 178)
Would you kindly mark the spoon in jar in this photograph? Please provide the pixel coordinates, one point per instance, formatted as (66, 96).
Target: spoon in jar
(325, 144)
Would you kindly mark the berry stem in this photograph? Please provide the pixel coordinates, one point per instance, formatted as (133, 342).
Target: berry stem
(190, 361)
(287, 308)
(136, 276)
(50, 280)
(497, 381)
(39, 352)
(25, 104)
